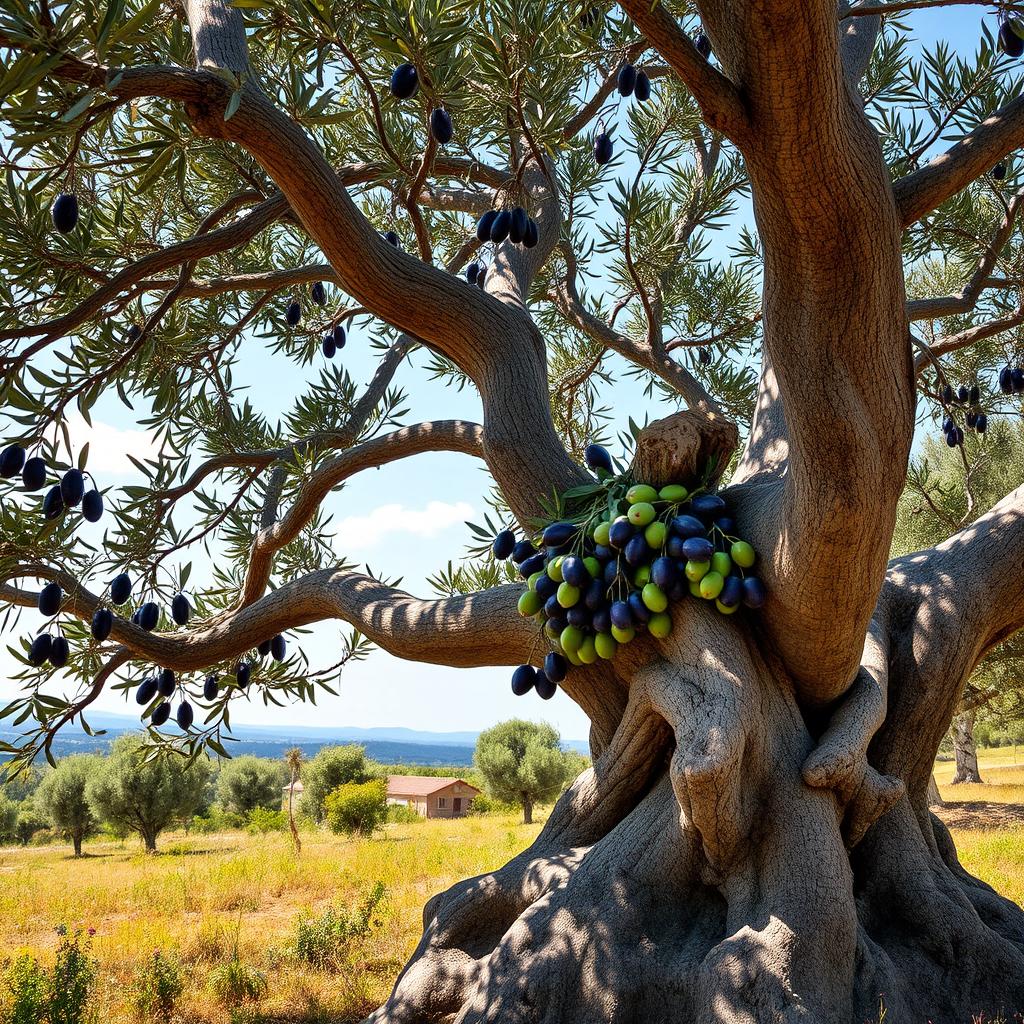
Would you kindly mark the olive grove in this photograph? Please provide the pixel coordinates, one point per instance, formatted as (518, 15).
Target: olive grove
(753, 841)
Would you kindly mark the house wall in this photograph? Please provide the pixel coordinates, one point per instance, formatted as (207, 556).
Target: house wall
(416, 803)
(431, 806)
(441, 803)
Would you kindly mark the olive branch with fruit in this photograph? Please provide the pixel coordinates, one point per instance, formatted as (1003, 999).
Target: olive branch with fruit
(610, 558)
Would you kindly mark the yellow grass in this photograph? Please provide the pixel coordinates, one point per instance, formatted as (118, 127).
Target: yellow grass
(1003, 775)
(202, 895)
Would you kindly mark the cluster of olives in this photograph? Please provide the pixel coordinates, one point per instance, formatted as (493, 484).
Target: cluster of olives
(164, 683)
(631, 82)
(516, 225)
(974, 419)
(47, 647)
(1011, 380)
(614, 569)
(1010, 38)
(69, 493)
(405, 82)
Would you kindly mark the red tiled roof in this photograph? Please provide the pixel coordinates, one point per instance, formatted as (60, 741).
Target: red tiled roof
(420, 785)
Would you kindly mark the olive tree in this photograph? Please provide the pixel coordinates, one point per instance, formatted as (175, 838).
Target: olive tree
(8, 819)
(753, 841)
(61, 798)
(145, 795)
(247, 782)
(522, 763)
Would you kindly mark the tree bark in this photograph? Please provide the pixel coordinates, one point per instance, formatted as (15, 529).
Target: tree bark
(76, 841)
(527, 810)
(149, 839)
(934, 796)
(964, 749)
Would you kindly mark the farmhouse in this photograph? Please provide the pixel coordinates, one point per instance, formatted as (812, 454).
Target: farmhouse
(431, 797)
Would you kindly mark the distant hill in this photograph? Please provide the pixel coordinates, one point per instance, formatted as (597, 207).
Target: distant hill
(389, 745)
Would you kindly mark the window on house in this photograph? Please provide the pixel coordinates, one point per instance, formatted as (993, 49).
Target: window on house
(442, 802)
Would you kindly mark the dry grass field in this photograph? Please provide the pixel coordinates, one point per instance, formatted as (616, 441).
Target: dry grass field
(235, 899)
(208, 899)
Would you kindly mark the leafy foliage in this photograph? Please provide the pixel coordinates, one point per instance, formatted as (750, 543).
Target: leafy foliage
(656, 247)
(61, 797)
(247, 783)
(145, 796)
(521, 762)
(357, 808)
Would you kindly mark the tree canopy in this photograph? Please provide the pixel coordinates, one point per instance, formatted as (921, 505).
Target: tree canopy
(522, 763)
(133, 794)
(247, 782)
(328, 769)
(61, 797)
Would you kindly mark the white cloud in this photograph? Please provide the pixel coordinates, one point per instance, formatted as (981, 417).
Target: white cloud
(109, 447)
(360, 532)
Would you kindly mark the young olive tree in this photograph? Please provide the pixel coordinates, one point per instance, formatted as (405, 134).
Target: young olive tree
(61, 797)
(522, 763)
(753, 841)
(134, 794)
(247, 782)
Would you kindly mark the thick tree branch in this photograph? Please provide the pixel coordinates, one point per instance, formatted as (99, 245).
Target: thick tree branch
(442, 435)
(969, 587)
(972, 156)
(460, 631)
(720, 100)
(967, 337)
(965, 300)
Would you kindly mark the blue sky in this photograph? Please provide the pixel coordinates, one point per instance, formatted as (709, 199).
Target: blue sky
(407, 520)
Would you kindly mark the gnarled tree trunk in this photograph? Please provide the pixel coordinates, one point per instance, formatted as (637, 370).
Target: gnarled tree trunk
(964, 750)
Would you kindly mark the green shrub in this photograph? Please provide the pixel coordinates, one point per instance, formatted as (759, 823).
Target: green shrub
(357, 807)
(28, 824)
(235, 982)
(484, 804)
(216, 819)
(157, 987)
(321, 940)
(44, 837)
(401, 814)
(261, 821)
(29, 985)
(72, 980)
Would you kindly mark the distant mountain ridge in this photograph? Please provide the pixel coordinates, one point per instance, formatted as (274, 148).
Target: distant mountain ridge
(387, 744)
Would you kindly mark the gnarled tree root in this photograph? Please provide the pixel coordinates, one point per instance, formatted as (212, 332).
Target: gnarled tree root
(694, 875)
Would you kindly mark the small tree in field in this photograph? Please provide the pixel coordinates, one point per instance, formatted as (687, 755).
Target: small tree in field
(61, 797)
(8, 820)
(144, 796)
(330, 768)
(247, 782)
(293, 763)
(357, 807)
(521, 763)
